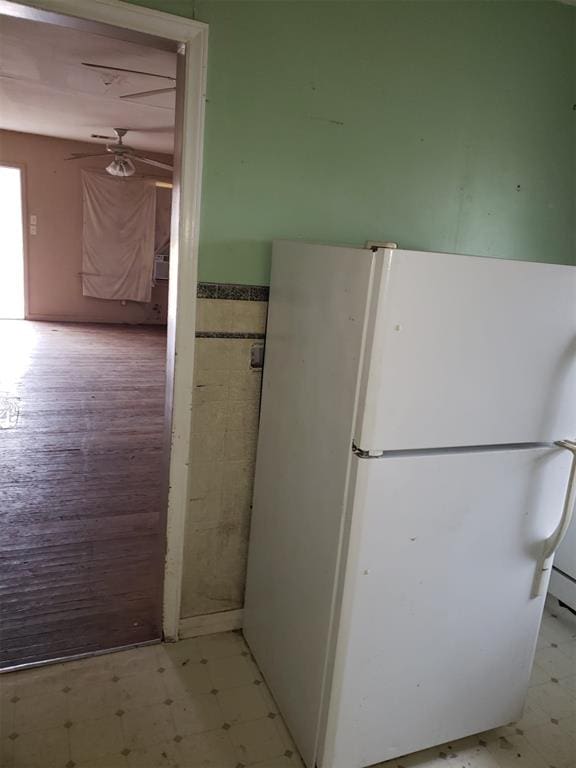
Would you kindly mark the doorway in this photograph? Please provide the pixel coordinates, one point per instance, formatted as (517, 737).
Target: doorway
(12, 286)
(187, 40)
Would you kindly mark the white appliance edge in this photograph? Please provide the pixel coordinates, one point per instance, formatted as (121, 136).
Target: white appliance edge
(563, 577)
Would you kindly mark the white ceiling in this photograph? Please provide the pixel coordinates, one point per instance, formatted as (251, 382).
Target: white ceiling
(45, 89)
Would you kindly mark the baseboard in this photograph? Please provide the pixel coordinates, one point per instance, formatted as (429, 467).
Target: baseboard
(225, 621)
(83, 320)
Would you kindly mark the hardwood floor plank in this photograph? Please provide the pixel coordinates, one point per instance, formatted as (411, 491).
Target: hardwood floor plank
(82, 522)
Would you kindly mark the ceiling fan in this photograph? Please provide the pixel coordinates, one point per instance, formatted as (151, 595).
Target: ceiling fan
(138, 94)
(122, 164)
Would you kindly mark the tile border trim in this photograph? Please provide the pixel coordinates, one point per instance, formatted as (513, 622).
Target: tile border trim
(233, 291)
(228, 335)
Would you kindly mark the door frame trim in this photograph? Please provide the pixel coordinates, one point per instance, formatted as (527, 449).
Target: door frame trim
(189, 39)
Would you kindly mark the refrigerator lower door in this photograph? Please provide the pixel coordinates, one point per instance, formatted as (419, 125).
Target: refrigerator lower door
(438, 628)
(563, 578)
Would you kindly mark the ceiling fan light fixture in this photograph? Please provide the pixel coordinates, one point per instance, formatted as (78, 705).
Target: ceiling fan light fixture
(121, 166)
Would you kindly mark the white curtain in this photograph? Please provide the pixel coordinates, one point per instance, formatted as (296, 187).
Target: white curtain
(163, 220)
(118, 237)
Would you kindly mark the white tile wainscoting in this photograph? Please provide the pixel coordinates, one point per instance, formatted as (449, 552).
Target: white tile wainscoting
(225, 414)
(202, 703)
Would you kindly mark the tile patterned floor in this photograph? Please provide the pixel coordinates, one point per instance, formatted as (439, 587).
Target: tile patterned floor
(202, 703)
(199, 702)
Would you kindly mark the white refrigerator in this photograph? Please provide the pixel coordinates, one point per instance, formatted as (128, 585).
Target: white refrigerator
(408, 492)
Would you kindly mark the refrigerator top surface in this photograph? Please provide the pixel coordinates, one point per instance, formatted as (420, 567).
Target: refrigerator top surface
(467, 351)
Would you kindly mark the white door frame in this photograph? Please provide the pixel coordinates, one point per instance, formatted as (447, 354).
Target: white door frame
(192, 39)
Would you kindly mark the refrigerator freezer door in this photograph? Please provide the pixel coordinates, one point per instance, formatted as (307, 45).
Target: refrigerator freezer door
(468, 351)
(438, 627)
(316, 325)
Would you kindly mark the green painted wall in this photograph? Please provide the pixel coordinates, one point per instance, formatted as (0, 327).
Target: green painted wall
(441, 125)
(574, 126)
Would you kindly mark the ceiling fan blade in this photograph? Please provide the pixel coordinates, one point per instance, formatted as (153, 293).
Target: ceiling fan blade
(140, 94)
(156, 128)
(81, 155)
(99, 136)
(155, 163)
(131, 71)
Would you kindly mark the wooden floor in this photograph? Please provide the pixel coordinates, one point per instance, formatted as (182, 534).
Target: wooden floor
(81, 512)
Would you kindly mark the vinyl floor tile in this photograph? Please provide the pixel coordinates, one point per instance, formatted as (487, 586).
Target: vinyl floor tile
(195, 704)
(196, 714)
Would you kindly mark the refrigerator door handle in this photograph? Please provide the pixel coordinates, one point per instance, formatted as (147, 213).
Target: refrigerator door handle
(551, 544)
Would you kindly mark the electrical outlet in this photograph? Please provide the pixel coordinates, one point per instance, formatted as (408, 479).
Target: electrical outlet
(257, 356)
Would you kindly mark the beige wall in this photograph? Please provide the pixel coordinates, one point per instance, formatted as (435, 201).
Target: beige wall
(54, 254)
(226, 388)
(225, 412)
